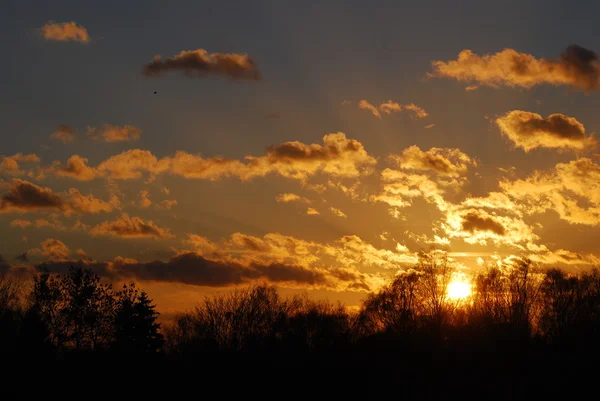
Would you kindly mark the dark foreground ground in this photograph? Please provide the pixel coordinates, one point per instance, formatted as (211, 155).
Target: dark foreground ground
(379, 373)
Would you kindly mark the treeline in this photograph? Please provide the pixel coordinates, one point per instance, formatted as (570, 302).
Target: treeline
(519, 325)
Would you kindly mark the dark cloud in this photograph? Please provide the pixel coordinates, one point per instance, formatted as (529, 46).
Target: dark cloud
(199, 63)
(24, 196)
(474, 222)
(191, 268)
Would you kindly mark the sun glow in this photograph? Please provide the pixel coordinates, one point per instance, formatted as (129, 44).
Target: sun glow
(458, 290)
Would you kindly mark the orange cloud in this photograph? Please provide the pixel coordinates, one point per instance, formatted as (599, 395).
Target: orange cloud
(11, 164)
(65, 31)
(64, 134)
(20, 223)
(114, 133)
(145, 199)
(576, 66)
(311, 211)
(199, 63)
(530, 131)
(131, 227)
(390, 107)
(76, 168)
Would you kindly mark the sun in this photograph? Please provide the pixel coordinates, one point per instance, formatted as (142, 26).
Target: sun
(458, 290)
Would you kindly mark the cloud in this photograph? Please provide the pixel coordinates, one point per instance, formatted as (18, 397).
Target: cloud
(114, 133)
(430, 126)
(10, 164)
(199, 63)
(167, 204)
(443, 161)
(338, 156)
(20, 223)
(145, 199)
(65, 31)
(191, 268)
(23, 196)
(390, 107)
(288, 197)
(364, 105)
(577, 67)
(311, 211)
(26, 158)
(530, 131)
(562, 256)
(64, 134)
(572, 190)
(131, 164)
(478, 226)
(337, 212)
(77, 168)
(472, 221)
(131, 227)
(55, 250)
(400, 188)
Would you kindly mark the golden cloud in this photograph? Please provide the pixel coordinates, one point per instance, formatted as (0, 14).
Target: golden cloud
(443, 161)
(576, 66)
(199, 63)
(478, 226)
(530, 131)
(65, 31)
(289, 197)
(113, 133)
(390, 107)
(570, 189)
(131, 227)
(338, 156)
(337, 212)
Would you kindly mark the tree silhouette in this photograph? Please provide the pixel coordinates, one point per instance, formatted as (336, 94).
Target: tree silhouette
(136, 329)
(77, 309)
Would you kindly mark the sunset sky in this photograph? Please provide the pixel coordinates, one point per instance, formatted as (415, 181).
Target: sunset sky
(317, 146)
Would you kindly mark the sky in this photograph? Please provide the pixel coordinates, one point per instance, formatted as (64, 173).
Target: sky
(318, 146)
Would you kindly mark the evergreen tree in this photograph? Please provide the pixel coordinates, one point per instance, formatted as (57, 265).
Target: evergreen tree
(136, 329)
